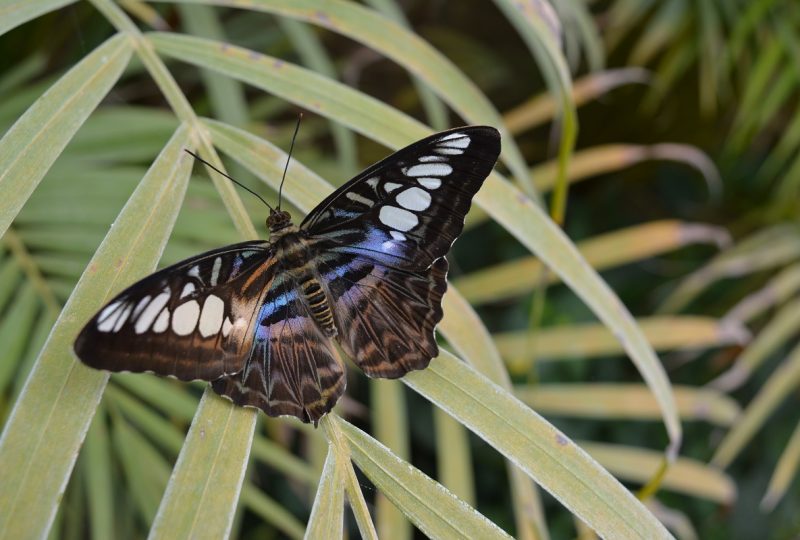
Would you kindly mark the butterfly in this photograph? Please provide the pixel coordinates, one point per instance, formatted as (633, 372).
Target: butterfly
(258, 319)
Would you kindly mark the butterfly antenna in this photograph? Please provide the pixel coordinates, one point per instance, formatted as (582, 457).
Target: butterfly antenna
(288, 159)
(207, 164)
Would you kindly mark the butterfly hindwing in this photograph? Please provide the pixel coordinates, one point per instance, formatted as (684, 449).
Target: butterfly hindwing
(388, 316)
(292, 367)
(407, 210)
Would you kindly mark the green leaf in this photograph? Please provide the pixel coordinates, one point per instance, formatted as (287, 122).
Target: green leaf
(547, 455)
(34, 142)
(49, 421)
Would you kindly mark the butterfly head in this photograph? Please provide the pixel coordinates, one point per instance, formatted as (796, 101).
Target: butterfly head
(278, 220)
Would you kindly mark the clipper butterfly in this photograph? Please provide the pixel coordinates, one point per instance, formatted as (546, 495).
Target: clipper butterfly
(257, 319)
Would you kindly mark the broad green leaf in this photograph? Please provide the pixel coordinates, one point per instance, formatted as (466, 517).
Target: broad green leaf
(327, 514)
(34, 142)
(391, 39)
(49, 421)
(781, 383)
(627, 401)
(434, 510)
(547, 455)
(15, 12)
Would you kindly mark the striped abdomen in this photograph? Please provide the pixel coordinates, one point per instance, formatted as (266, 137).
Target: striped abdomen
(318, 305)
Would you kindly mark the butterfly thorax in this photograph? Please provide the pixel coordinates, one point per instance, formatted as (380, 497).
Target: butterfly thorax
(295, 255)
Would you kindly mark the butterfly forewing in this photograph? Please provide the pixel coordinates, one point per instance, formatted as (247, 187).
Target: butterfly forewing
(407, 210)
(191, 320)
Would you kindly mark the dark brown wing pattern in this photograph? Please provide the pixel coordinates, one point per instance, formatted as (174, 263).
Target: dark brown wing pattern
(292, 367)
(387, 317)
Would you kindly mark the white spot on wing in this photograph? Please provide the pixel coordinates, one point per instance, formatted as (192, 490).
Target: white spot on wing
(358, 198)
(140, 306)
(107, 310)
(123, 316)
(397, 218)
(211, 318)
(430, 183)
(108, 317)
(162, 323)
(430, 169)
(449, 151)
(151, 312)
(414, 199)
(372, 182)
(427, 159)
(187, 289)
(453, 142)
(184, 319)
(391, 186)
(215, 270)
(398, 236)
(456, 135)
(226, 327)
(194, 271)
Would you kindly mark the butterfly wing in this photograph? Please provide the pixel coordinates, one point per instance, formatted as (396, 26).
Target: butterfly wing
(407, 210)
(191, 320)
(292, 367)
(387, 316)
(383, 237)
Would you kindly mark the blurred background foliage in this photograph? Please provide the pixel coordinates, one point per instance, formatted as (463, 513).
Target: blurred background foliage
(683, 193)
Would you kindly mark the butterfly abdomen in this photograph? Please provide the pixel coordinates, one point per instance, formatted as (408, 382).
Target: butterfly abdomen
(296, 255)
(318, 305)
